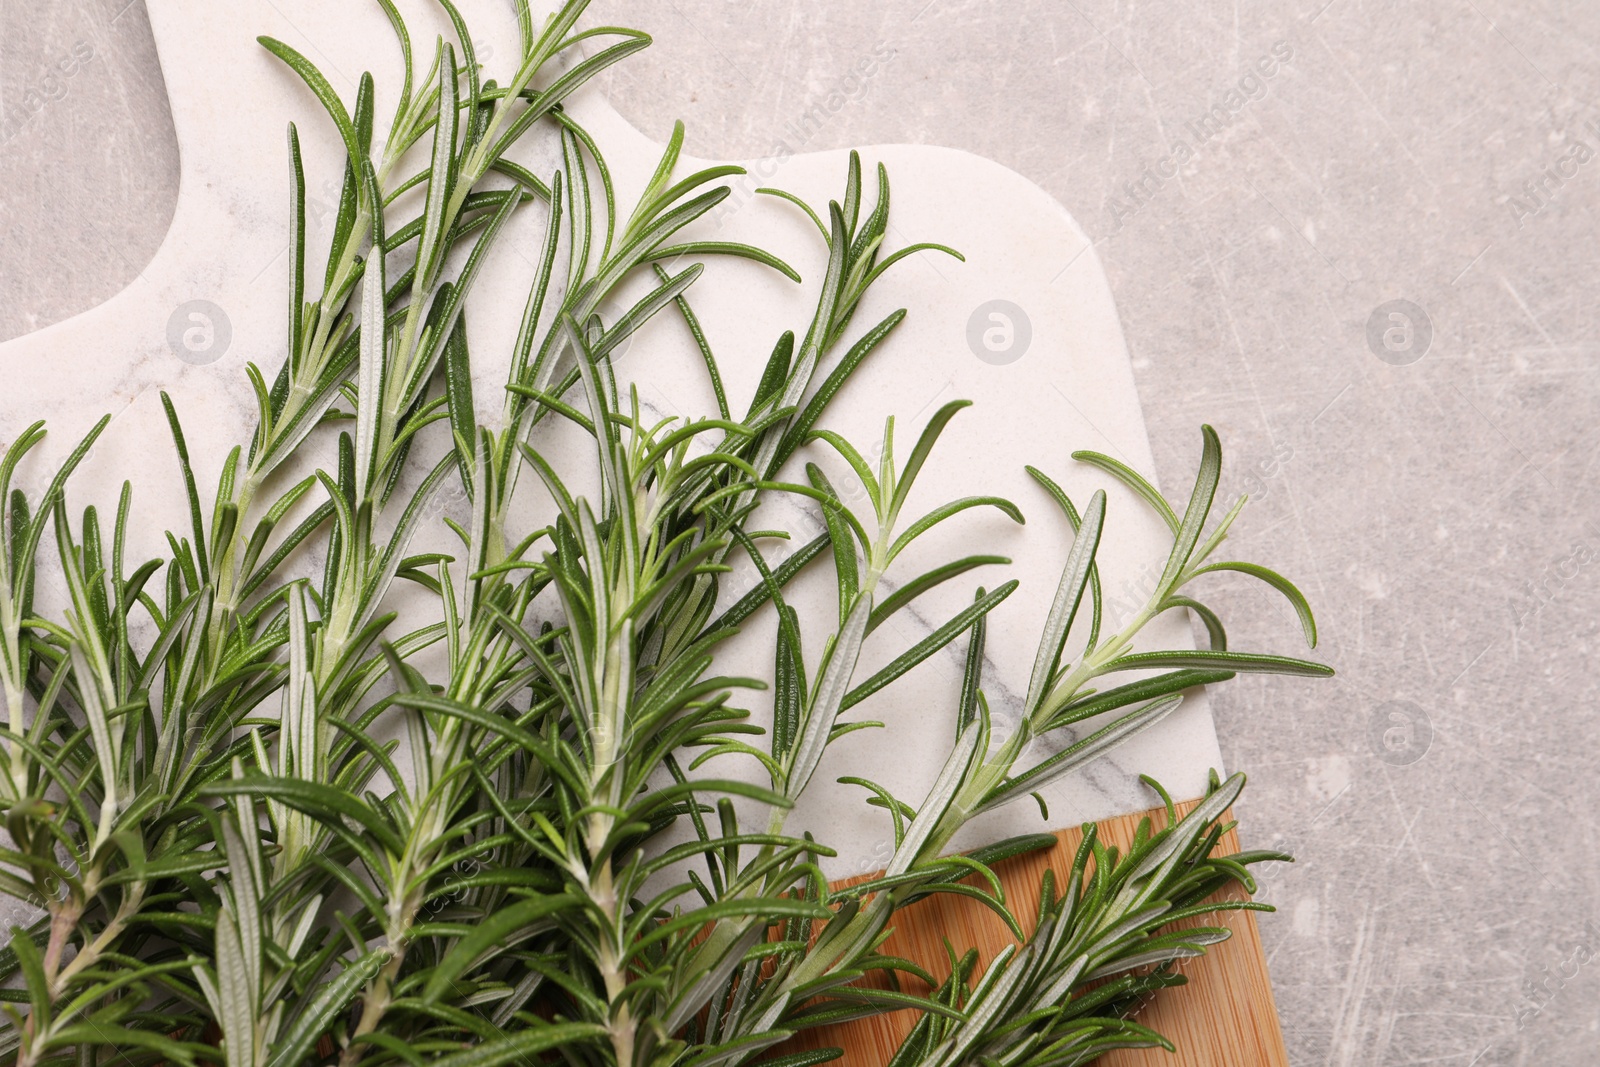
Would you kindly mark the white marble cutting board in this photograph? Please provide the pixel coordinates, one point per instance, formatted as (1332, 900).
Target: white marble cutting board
(1071, 387)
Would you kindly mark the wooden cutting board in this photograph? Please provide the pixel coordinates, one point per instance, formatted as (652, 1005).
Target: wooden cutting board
(1223, 1017)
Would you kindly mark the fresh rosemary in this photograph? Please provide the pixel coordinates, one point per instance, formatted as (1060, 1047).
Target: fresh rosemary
(232, 859)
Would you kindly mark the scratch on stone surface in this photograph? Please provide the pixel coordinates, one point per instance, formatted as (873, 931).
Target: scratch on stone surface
(1352, 999)
(1526, 310)
(1407, 839)
(1384, 119)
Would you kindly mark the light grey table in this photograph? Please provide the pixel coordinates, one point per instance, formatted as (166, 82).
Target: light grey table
(1428, 479)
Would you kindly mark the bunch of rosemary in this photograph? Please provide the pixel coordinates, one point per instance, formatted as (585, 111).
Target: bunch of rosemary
(290, 828)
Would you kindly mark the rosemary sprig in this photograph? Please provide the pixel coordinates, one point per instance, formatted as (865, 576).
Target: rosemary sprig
(269, 818)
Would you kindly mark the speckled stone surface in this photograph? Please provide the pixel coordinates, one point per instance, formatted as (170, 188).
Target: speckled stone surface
(1264, 183)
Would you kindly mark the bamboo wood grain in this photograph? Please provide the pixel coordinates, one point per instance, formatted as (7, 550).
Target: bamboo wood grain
(1223, 1017)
